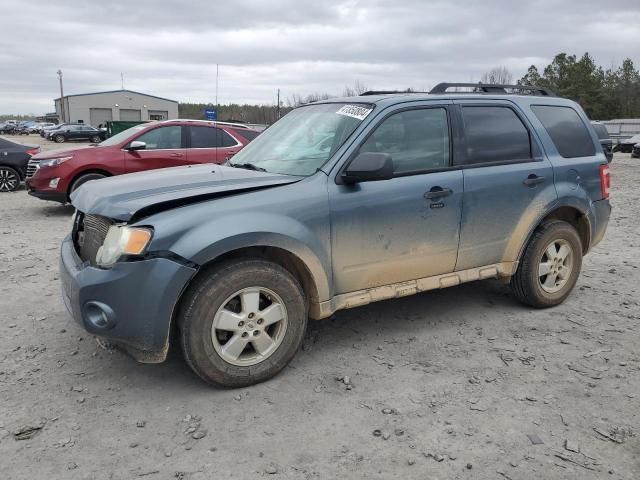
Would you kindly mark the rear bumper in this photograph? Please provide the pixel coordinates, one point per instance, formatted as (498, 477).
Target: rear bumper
(130, 304)
(599, 219)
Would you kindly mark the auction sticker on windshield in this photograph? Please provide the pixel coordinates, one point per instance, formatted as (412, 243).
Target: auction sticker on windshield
(355, 111)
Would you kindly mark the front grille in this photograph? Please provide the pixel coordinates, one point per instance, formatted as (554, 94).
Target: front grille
(89, 232)
(32, 167)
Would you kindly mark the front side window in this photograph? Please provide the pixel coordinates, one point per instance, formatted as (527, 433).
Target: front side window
(494, 134)
(304, 139)
(417, 140)
(566, 129)
(162, 138)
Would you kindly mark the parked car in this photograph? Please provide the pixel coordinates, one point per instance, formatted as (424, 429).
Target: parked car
(626, 145)
(605, 140)
(77, 132)
(37, 128)
(635, 153)
(46, 130)
(14, 158)
(7, 128)
(414, 192)
(54, 175)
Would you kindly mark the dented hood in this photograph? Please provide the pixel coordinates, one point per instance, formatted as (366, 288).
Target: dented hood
(141, 194)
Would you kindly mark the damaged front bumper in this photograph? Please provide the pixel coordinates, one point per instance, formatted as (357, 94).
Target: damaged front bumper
(130, 304)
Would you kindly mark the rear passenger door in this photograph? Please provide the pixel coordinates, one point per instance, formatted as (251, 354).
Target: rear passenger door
(508, 182)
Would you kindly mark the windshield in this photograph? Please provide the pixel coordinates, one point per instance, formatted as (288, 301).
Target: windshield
(303, 140)
(122, 136)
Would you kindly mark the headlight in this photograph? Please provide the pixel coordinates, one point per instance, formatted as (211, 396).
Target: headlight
(52, 162)
(122, 240)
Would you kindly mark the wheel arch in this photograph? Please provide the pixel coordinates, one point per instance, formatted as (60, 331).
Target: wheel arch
(86, 171)
(567, 213)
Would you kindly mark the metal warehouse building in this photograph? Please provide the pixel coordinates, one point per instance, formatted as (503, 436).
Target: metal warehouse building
(125, 105)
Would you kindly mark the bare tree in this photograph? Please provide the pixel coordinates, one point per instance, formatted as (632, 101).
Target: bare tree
(497, 76)
(358, 88)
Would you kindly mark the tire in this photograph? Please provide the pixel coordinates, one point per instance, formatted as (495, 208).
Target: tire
(9, 179)
(211, 297)
(59, 138)
(82, 179)
(543, 291)
(95, 139)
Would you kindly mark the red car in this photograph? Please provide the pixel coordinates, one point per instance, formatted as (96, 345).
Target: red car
(54, 175)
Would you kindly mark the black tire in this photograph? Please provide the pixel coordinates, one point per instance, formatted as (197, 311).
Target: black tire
(95, 139)
(9, 179)
(59, 138)
(82, 179)
(526, 283)
(206, 295)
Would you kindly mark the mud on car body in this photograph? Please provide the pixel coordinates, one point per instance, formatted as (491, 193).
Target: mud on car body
(338, 204)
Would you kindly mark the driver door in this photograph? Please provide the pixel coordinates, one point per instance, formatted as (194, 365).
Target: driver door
(164, 148)
(391, 231)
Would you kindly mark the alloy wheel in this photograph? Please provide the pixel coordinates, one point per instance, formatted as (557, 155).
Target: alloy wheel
(249, 326)
(8, 180)
(556, 265)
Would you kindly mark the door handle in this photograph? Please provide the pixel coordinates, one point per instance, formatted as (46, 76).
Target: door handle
(533, 180)
(175, 155)
(437, 192)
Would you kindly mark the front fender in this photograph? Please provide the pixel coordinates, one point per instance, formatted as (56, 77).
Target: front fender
(208, 241)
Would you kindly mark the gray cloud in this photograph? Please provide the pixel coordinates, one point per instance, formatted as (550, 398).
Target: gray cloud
(170, 48)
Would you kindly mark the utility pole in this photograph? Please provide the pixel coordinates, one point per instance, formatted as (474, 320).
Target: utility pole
(62, 112)
(217, 112)
(122, 80)
(278, 107)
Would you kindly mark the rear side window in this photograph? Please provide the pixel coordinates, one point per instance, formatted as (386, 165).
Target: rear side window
(566, 129)
(210, 137)
(495, 134)
(247, 134)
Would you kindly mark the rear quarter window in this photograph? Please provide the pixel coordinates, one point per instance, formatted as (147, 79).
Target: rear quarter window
(566, 129)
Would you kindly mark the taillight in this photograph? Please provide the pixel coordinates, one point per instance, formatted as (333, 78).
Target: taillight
(605, 180)
(33, 151)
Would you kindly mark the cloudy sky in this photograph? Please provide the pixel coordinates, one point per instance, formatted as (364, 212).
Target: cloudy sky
(170, 48)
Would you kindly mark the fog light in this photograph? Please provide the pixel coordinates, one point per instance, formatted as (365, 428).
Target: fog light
(53, 183)
(99, 315)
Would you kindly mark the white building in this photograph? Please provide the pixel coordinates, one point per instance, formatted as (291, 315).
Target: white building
(124, 105)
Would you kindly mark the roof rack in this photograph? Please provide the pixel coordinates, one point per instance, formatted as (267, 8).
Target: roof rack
(386, 92)
(492, 88)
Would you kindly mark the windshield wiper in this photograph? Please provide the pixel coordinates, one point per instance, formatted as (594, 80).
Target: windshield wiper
(247, 166)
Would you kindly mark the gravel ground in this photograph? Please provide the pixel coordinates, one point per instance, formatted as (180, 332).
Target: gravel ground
(462, 383)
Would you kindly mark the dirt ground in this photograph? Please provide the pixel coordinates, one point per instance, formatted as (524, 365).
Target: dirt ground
(463, 383)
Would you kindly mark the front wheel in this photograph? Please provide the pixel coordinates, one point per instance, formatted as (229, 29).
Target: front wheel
(95, 139)
(59, 138)
(82, 179)
(242, 322)
(550, 265)
(9, 179)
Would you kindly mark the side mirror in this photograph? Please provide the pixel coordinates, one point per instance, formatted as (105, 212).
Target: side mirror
(136, 145)
(368, 167)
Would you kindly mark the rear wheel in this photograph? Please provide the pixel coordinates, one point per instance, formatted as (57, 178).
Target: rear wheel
(242, 322)
(9, 179)
(59, 138)
(550, 266)
(82, 179)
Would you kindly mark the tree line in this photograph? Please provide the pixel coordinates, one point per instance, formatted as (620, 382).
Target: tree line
(604, 93)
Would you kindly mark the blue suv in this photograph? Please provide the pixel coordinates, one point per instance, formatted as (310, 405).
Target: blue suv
(340, 203)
